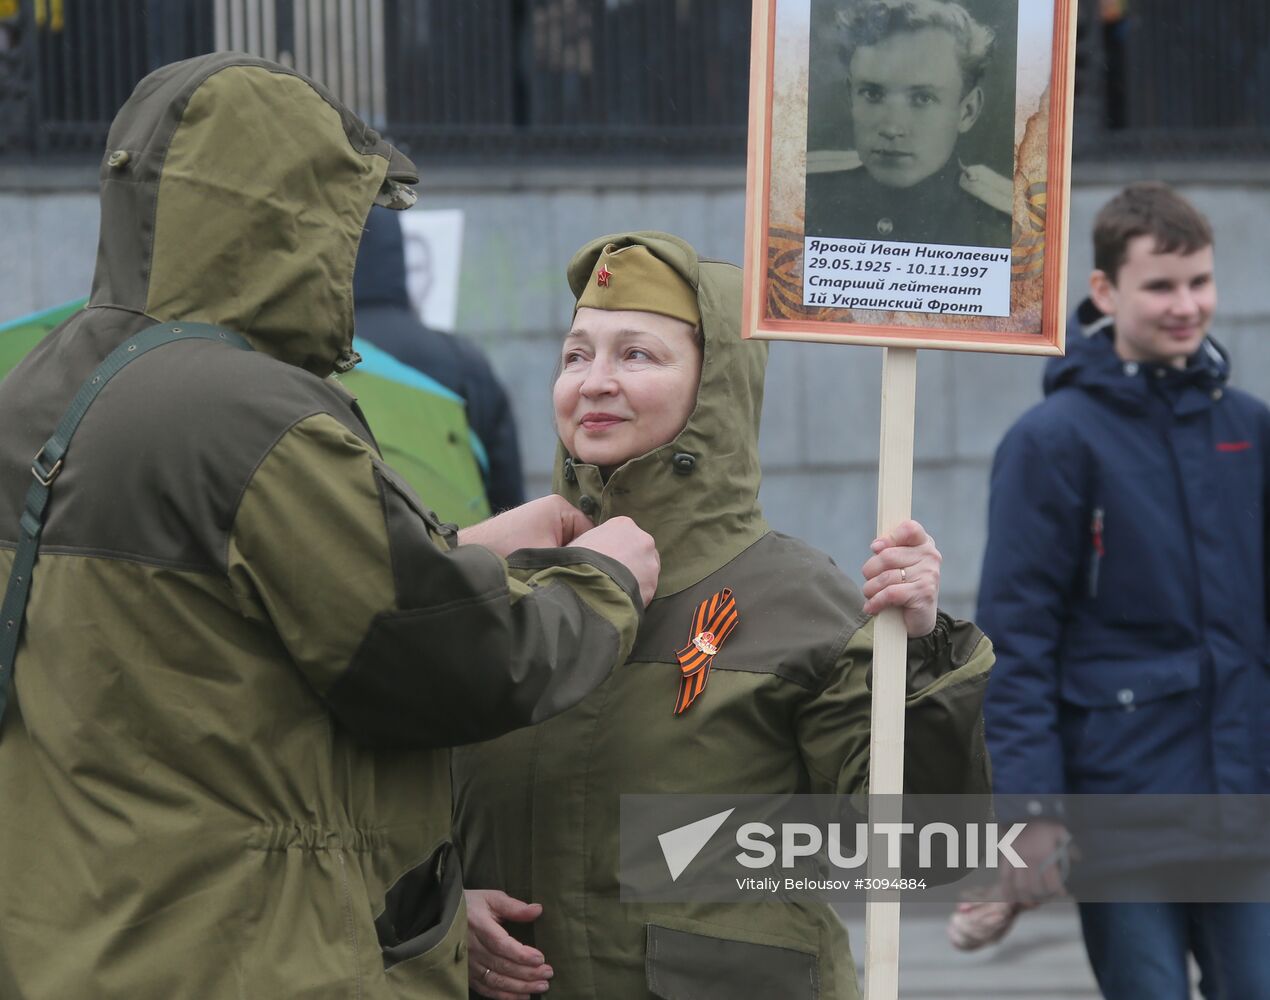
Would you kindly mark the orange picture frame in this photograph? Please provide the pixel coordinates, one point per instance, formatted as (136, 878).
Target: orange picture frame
(1034, 266)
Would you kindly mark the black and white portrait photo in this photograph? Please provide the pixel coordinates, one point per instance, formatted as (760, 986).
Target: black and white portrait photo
(911, 121)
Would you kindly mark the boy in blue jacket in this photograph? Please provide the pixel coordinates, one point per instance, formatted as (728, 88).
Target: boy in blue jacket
(1124, 587)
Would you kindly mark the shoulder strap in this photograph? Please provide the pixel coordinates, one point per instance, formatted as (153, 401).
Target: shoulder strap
(48, 464)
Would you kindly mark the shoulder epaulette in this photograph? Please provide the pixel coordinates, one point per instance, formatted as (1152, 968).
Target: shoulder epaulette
(982, 182)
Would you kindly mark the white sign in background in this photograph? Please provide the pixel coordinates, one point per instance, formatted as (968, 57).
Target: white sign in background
(906, 277)
(434, 253)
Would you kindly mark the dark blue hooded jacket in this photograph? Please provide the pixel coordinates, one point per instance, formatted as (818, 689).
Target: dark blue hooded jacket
(1124, 583)
(384, 317)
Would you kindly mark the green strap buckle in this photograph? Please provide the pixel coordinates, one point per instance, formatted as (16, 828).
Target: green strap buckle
(45, 476)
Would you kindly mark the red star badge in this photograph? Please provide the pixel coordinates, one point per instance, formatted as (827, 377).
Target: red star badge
(602, 276)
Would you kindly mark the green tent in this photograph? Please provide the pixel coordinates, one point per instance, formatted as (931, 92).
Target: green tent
(421, 425)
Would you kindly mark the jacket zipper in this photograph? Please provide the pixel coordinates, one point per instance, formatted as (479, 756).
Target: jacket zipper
(1097, 551)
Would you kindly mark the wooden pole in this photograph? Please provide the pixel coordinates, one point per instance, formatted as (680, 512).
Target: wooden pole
(890, 658)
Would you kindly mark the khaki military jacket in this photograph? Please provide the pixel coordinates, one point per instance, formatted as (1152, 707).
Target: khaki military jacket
(786, 709)
(223, 770)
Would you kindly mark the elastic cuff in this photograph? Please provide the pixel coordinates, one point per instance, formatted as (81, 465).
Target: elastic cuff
(927, 650)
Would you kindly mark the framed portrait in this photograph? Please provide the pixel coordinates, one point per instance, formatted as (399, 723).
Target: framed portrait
(909, 172)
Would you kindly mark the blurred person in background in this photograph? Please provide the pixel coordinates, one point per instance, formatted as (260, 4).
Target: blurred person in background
(1124, 588)
(386, 318)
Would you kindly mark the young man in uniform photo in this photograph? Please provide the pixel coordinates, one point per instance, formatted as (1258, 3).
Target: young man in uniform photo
(914, 70)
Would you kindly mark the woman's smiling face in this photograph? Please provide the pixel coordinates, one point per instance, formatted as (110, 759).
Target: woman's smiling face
(627, 384)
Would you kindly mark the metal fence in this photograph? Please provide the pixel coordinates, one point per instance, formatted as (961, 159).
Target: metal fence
(461, 78)
(1175, 78)
(563, 79)
(646, 77)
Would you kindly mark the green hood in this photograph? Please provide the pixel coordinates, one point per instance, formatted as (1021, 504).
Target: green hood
(248, 218)
(698, 494)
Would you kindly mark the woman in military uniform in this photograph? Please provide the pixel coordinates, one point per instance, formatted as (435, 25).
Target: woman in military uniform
(657, 407)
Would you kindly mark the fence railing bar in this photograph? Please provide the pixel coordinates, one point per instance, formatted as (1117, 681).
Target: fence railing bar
(568, 78)
(348, 56)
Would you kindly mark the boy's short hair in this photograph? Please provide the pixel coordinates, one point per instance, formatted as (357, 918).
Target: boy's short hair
(868, 22)
(1147, 208)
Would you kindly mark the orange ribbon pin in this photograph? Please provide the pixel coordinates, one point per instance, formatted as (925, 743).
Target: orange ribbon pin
(712, 622)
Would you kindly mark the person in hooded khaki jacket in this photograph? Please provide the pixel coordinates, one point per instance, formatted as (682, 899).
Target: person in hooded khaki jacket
(657, 406)
(223, 767)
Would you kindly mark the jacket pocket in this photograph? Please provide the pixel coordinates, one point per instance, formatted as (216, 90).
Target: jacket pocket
(1126, 685)
(422, 910)
(1134, 727)
(682, 965)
